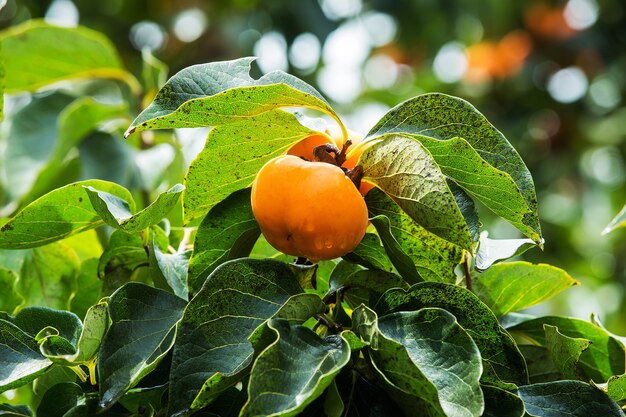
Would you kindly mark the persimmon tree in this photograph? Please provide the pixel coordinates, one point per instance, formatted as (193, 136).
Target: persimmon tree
(137, 282)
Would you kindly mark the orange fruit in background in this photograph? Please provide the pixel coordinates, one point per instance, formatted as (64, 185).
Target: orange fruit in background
(308, 209)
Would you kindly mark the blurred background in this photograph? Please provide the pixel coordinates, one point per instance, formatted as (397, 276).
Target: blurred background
(551, 75)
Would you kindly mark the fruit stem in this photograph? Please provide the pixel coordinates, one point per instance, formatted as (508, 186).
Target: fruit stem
(322, 153)
(356, 175)
(466, 270)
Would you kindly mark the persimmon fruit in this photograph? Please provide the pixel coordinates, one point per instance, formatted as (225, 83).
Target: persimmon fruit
(308, 209)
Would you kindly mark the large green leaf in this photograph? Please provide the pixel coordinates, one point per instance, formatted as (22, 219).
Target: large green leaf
(49, 276)
(233, 155)
(30, 140)
(430, 363)
(20, 359)
(540, 365)
(118, 213)
(482, 150)
(143, 330)
(8, 410)
(213, 346)
(293, 370)
(567, 399)
(124, 251)
(222, 92)
(407, 173)
(502, 361)
(169, 270)
(227, 232)
(37, 54)
(605, 356)
(499, 286)
(56, 215)
(10, 299)
(433, 257)
(74, 123)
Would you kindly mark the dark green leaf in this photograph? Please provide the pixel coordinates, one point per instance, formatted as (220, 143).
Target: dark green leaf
(616, 387)
(8, 410)
(491, 251)
(56, 215)
(222, 92)
(407, 173)
(434, 258)
(142, 331)
(20, 359)
(502, 361)
(501, 403)
(603, 359)
(60, 399)
(39, 321)
(233, 155)
(444, 118)
(540, 365)
(565, 351)
(407, 349)
(242, 294)
(375, 281)
(125, 251)
(370, 254)
(499, 286)
(567, 399)
(333, 403)
(117, 212)
(37, 54)
(227, 232)
(293, 371)
(468, 210)
(169, 270)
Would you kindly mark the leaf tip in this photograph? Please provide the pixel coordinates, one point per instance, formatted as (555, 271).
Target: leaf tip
(129, 132)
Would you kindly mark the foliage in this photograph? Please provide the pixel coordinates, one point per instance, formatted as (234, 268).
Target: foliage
(420, 319)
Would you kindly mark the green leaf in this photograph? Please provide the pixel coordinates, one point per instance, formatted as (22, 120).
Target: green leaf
(40, 322)
(541, 368)
(501, 403)
(403, 263)
(618, 221)
(468, 210)
(169, 270)
(502, 361)
(375, 281)
(565, 351)
(93, 329)
(495, 188)
(117, 212)
(233, 155)
(124, 251)
(567, 399)
(407, 173)
(333, 403)
(616, 387)
(605, 356)
(8, 410)
(222, 92)
(49, 276)
(491, 251)
(30, 140)
(242, 294)
(60, 213)
(227, 232)
(370, 254)
(10, 299)
(499, 286)
(74, 123)
(407, 348)
(20, 359)
(293, 371)
(37, 54)
(142, 331)
(434, 258)
(482, 148)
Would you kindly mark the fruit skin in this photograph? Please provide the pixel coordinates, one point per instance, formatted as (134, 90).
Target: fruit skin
(308, 209)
